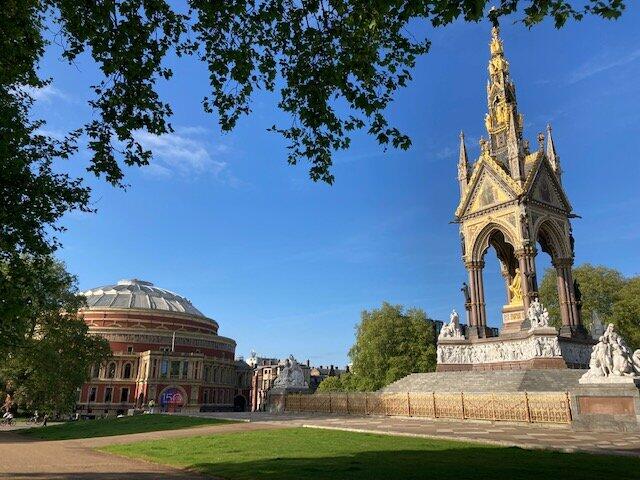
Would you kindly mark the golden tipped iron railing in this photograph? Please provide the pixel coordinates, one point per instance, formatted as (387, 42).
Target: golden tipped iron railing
(534, 407)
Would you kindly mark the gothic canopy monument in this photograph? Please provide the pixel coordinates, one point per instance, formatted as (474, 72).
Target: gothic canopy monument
(512, 199)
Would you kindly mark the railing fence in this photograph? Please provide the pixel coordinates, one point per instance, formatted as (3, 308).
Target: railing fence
(530, 407)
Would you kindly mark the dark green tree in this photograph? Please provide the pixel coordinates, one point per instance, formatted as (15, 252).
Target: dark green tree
(600, 287)
(625, 312)
(331, 384)
(390, 344)
(49, 357)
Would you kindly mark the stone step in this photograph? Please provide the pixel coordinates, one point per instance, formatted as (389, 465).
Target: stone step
(488, 381)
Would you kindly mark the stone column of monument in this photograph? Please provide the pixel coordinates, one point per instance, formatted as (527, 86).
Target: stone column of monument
(478, 316)
(569, 312)
(527, 264)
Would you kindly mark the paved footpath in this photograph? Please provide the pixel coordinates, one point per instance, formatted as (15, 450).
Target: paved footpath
(24, 458)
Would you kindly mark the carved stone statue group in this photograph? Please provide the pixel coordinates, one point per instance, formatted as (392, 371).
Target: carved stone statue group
(291, 375)
(451, 329)
(538, 315)
(611, 359)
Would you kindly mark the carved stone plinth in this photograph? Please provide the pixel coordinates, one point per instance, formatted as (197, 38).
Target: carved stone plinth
(277, 395)
(513, 316)
(607, 407)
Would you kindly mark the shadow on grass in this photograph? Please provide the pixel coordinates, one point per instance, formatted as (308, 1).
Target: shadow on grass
(464, 463)
(467, 463)
(492, 463)
(179, 475)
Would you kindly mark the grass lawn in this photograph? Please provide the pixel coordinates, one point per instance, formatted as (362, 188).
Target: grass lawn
(116, 426)
(303, 453)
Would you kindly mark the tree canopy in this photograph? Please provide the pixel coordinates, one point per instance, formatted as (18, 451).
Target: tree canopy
(390, 344)
(625, 312)
(616, 299)
(48, 352)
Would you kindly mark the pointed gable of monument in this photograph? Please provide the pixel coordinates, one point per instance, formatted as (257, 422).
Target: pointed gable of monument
(543, 186)
(489, 186)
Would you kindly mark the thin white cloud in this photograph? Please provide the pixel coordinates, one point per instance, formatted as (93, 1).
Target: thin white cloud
(185, 153)
(46, 94)
(599, 65)
(191, 130)
(56, 134)
(155, 170)
(445, 152)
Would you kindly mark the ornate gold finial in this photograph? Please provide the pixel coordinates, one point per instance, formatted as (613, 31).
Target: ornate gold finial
(484, 147)
(496, 45)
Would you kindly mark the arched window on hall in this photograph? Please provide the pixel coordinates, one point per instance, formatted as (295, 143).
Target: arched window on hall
(111, 370)
(95, 371)
(126, 371)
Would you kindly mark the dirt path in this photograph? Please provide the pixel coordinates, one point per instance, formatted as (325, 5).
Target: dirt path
(22, 457)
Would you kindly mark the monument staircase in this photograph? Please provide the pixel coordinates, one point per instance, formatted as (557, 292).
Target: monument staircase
(550, 380)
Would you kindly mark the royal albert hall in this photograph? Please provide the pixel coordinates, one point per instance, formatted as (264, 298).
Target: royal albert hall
(164, 350)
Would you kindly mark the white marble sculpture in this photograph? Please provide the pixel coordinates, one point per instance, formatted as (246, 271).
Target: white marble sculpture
(612, 360)
(543, 346)
(538, 315)
(451, 329)
(291, 375)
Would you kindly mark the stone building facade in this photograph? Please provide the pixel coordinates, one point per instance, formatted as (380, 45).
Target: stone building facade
(165, 351)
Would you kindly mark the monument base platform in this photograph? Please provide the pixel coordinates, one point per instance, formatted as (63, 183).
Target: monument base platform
(537, 349)
(531, 364)
(545, 380)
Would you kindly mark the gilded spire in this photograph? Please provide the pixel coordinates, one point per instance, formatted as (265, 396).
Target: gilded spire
(463, 165)
(552, 156)
(503, 122)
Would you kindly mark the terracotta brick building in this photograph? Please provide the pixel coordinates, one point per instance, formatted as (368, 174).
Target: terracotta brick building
(164, 349)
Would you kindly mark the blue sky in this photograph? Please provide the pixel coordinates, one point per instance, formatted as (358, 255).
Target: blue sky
(286, 265)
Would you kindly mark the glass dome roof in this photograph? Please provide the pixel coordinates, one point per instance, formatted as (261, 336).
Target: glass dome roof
(136, 293)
